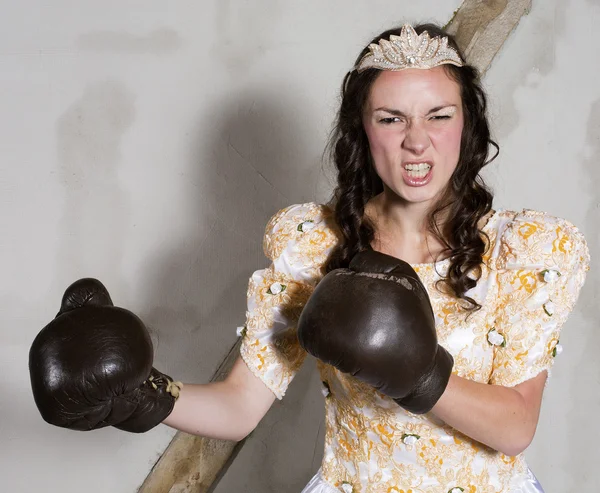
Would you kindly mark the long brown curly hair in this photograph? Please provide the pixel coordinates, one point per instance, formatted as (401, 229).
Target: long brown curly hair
(465, 200)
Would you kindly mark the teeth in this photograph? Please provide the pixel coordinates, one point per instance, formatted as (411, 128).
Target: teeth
(417, 167)
(417, 170)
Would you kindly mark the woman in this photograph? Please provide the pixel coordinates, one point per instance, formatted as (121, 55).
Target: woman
(411, 138)
(409, 145)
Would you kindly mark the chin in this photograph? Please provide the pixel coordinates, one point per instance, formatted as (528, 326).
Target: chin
(417, 195)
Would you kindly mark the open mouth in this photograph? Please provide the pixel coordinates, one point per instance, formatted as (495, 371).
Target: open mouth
(417, 174)
(417, 170)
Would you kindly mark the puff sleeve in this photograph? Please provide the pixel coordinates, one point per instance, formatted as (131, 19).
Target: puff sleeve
(297, 240)
(541, 268)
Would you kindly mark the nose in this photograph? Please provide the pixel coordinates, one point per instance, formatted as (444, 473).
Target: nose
(416, 138)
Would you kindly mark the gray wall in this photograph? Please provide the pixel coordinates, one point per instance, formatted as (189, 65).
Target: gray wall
(147, 143)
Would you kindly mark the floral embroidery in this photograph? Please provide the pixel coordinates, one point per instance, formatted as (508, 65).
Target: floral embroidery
(533, 271)
(307, 252)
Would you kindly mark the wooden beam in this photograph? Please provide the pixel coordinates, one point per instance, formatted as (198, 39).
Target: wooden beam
(193, 464)
(482, 26)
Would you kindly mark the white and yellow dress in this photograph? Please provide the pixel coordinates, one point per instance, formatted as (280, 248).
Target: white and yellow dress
(532, 275)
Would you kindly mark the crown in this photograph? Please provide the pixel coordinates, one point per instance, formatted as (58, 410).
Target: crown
(409, 50)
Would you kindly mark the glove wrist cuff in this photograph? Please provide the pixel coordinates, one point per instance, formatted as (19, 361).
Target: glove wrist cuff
(431, 387)
(155, 399)
(163, 384)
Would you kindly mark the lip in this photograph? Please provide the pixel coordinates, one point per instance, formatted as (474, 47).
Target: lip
(417, 182)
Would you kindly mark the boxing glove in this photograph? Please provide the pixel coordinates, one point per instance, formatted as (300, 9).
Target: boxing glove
(374, 321)
(91, 366)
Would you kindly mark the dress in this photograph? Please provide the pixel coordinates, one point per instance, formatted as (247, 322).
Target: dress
(533, 271)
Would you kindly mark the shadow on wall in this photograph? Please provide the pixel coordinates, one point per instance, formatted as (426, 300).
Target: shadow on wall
(91, 232)
(251, 157)
(250, 160)
(96, 208)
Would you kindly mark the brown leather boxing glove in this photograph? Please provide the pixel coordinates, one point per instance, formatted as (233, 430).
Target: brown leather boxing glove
(91, 366)
(374, 321)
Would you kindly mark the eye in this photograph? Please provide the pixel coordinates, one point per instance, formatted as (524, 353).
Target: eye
(389, 120)
(441, 117)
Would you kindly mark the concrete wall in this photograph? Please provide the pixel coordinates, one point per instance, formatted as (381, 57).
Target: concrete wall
(147, 143)
(546, 110)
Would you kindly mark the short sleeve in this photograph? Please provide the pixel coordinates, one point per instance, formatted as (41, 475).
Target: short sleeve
(542, 264)
(297, 241)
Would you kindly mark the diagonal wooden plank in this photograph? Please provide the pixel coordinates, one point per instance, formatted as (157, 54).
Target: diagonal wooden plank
(482, 26)
(193, 464)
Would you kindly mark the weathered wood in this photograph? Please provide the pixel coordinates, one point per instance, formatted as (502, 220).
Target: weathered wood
(482, 26)
(193, 464)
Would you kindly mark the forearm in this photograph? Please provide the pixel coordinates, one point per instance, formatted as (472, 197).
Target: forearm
(211, 410)
(502, 418)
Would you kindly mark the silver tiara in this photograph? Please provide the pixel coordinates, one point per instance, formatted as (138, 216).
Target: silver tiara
(409, 50)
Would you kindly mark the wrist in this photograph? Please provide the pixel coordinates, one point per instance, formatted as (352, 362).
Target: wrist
(154, 401)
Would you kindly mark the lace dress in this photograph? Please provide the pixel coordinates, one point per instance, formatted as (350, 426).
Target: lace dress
(532, 273)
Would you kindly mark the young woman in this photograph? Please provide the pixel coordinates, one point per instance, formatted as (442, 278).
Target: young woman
(411, 139)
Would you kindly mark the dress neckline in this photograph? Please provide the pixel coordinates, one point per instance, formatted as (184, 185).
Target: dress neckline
(487, 224)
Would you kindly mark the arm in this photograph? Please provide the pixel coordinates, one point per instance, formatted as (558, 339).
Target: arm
(112, 358)
(271, 354)
(503, 418)
(504, 413)
(227, 410)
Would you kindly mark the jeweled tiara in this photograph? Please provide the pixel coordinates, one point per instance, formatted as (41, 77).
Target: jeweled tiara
(409, 50)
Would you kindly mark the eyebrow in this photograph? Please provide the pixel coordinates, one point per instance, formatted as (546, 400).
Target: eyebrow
(399, 113)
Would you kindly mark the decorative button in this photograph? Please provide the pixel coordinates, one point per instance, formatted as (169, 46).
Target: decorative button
(496, 338)
(410, 438)
(549, 308)
(276, 288)
(558, 349)
(306, 226)
(347, 487)
(550, 275)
